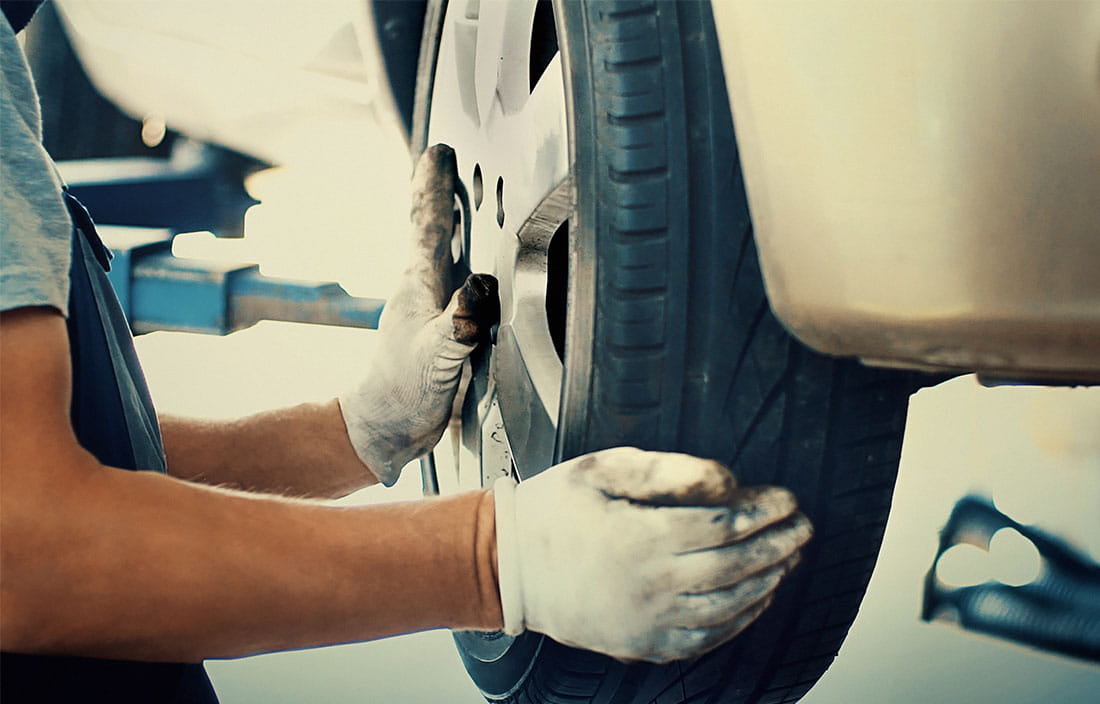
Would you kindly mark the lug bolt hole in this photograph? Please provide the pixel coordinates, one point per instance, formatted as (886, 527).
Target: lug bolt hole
(479, 191)
(500, 201)
(458, 231)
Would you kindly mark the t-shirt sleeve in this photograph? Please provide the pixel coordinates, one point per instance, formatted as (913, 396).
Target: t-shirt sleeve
(35, 228)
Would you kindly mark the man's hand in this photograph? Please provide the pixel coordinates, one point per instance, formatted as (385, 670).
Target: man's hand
(400, 410)
(642, 555)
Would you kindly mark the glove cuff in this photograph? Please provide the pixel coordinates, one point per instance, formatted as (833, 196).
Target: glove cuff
(508, 567)
(372, 450)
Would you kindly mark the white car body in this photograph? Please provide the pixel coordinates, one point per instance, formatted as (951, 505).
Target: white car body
(924, 177)
(261, 78)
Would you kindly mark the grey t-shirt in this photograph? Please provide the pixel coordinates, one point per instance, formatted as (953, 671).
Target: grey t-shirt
(35, 228)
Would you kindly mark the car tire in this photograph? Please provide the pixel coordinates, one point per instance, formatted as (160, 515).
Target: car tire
(668, 343)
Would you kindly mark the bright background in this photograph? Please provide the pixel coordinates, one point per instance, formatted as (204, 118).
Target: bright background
(337, 210)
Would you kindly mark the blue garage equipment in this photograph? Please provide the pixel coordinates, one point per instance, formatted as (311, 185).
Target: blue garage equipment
(142, 203)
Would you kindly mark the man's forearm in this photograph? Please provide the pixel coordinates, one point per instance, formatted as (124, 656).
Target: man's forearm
(137, 565)
(299, 451)
(105, 562)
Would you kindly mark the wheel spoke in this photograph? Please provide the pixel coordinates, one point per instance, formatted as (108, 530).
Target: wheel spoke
(454, 115)
(531, 433)
(515, 136)
(534, 141)
(528, 371)
(503, 49)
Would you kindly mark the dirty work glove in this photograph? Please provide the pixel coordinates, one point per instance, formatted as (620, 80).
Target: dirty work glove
(641, 555)
(399, 411)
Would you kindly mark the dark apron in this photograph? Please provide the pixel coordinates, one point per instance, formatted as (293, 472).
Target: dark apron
(114, 419)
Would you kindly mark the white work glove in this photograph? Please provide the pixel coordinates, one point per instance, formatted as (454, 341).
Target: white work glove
(400, 410)
(641, 555)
